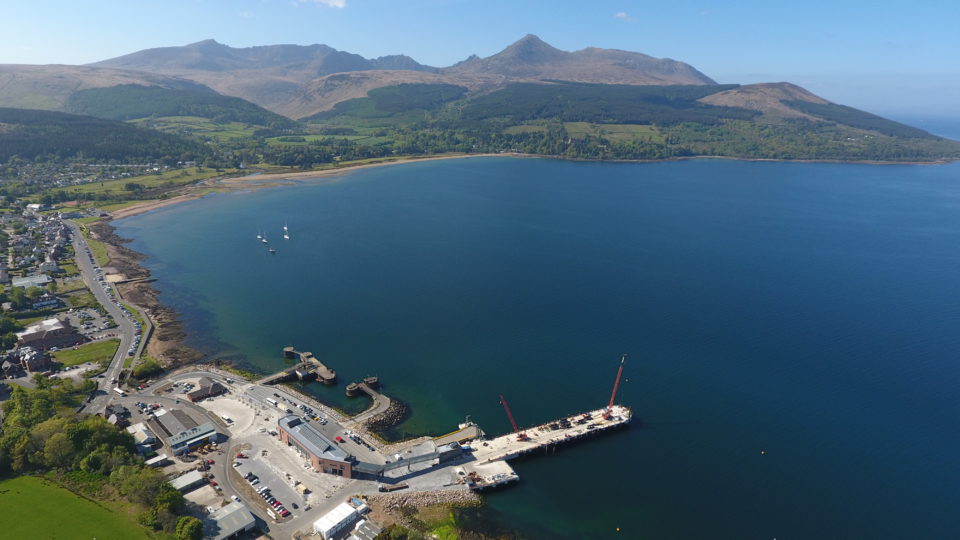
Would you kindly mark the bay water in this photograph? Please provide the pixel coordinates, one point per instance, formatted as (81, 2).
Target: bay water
(793, 329)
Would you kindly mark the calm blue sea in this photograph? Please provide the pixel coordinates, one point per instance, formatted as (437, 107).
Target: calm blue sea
(793, 329)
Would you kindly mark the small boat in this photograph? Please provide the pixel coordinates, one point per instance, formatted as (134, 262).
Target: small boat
(259, 236)
(285, 226)
(264, 240)
(271, 250)
(286, 236)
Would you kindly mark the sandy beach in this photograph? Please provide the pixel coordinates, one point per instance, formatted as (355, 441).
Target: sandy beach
(258, 180)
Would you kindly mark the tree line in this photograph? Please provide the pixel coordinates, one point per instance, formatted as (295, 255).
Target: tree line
(87, 454)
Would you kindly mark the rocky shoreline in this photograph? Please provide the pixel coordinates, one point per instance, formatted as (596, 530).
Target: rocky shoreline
(394, 415)
(165, 344)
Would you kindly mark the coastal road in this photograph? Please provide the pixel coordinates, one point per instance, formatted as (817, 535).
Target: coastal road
(125, 328)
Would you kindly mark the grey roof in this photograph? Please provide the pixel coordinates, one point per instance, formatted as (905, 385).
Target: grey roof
(188, 480)
(175, 421)
(311, 439)
(117, 409)
(229, 520)
(192, 434)
(31, 281)
(207, 387)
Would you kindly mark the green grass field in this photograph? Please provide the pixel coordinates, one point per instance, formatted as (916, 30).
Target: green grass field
(35, 508)
(71, 286)
(525, 128)
(69, 269)
(82, 300)
(89, 219)
(97, 248)
(198, 126)
(89, 352)
(613, 132)
(167, 179)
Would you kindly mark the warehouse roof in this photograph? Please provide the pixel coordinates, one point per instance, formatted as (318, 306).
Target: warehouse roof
(311, 439)
(188, 480)
(229, 520)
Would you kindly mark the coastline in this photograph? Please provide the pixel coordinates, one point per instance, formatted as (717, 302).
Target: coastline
(260, 180)
(166, 344)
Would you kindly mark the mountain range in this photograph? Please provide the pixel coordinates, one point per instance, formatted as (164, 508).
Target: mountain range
(501, 100)
(299, 81)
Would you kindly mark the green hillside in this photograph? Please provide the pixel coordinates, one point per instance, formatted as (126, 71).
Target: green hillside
(399, 102)
(132, 101)
(613, 121)
(604, 103)
(856, 118)
(31, 134)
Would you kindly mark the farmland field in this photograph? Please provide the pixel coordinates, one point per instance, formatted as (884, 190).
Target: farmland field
(35, 508)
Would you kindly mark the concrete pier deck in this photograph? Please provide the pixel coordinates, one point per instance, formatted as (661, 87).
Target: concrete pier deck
(468, 433)
(379, 405)
(542, 437)
(308, 368)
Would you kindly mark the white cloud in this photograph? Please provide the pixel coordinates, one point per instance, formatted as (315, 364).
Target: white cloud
(622, 15)
(328, 3)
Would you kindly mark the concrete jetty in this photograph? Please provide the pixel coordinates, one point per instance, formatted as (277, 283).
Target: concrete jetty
(380, 404)
(489, 468)
(308, 369)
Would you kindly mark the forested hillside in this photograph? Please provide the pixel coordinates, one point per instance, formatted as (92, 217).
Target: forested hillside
(130, 102)
(32, 134)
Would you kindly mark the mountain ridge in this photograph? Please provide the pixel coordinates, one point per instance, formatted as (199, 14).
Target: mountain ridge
(293, 80)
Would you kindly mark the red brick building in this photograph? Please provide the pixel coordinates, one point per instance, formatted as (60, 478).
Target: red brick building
(324, 455)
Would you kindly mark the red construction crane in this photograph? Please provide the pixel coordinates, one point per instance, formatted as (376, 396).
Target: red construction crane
(520, 436)
(616, 385)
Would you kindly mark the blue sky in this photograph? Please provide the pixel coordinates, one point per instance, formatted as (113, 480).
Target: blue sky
(894, 58)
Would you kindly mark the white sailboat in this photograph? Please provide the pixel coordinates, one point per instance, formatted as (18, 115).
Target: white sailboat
(286, 236)
(285, 226)
(264, 239)
(259, 236)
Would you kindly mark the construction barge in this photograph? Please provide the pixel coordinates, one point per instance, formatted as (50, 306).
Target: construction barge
(489, 467)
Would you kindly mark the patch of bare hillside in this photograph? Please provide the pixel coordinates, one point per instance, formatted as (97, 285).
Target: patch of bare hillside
(48, 87)
(767, 98)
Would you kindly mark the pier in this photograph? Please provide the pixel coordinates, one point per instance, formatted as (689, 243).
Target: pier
(308, 369)
(380, 403)
(489, 468)
(467, 432)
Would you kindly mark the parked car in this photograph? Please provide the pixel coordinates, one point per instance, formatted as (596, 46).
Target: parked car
(234, 497)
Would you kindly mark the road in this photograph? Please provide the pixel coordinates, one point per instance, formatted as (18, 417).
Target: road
(125, 327)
